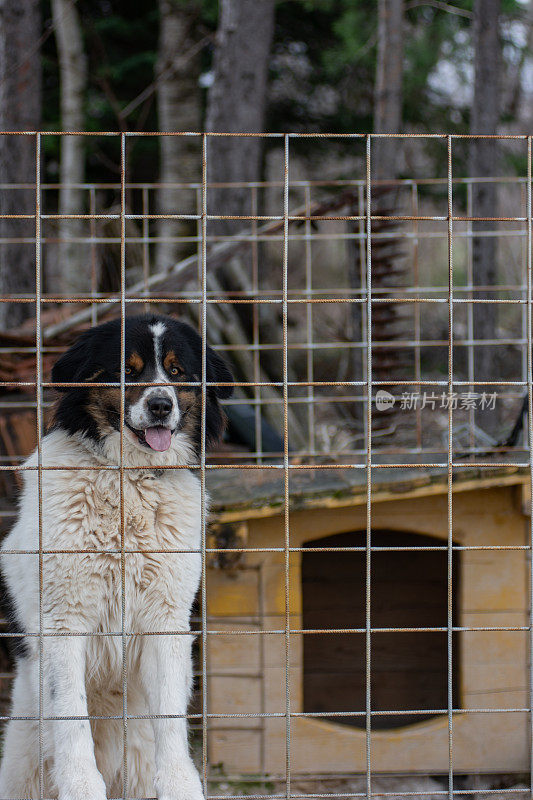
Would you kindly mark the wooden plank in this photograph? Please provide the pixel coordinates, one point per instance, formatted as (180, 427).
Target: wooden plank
(234, 695)
(253, 494)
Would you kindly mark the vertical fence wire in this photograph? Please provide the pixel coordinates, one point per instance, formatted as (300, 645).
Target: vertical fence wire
(262, 665)
(309, 323)
(360, 330)
(530, 442)
(286, 487)
(145, 244)
(415, 210)
(450, 469)
(523, 294)
(203, 496)
(368, 582)
(470, 306)
(255, 330)
(94, 272)
(121, 465)
(39, 411)
(199, 238)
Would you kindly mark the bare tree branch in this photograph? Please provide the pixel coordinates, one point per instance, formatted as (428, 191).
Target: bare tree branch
(441, 6)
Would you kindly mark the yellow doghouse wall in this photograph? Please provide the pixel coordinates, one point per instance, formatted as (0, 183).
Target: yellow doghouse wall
(247, 673)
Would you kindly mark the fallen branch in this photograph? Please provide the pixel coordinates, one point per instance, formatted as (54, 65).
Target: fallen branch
(216, 256)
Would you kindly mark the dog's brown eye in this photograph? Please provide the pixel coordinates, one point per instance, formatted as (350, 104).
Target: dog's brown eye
(174, 370)
(128, 370)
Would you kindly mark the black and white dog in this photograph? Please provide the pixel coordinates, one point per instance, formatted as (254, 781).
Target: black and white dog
(82, 579)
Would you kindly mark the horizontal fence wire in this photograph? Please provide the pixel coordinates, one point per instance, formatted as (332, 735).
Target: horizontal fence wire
(300, 227)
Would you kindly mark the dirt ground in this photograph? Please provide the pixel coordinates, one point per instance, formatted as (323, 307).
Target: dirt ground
(476, 787)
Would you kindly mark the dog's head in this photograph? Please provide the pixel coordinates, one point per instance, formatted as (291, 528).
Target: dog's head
(158, 350)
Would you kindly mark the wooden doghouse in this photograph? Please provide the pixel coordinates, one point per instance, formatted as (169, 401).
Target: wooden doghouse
(247, 591)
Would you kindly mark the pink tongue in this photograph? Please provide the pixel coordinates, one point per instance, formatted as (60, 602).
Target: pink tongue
(158, 438)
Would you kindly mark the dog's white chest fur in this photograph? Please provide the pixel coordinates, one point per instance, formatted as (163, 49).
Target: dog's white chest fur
(119, 564)
(81, 511)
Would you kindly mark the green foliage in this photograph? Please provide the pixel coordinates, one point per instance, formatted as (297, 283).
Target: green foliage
(121, 39)
(322, 71)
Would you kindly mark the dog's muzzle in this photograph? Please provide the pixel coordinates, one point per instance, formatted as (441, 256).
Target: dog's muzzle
(153, 419)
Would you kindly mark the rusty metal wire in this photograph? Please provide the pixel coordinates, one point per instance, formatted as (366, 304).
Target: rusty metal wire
(203, 520)
(450, 471)
(286, 486)
(39, 421)
(368, 431)
(530, 405)
(121, 466)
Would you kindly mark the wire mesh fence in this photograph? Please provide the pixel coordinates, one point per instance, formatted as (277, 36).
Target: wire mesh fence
(346, 308)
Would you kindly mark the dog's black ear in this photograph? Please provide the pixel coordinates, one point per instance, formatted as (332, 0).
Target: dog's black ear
(218, 372)
(77, 364)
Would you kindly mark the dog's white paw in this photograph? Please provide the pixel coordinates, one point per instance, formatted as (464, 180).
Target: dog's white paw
(182, 783)
(86, 784)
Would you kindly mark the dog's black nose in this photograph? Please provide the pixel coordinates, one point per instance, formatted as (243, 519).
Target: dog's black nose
(160, 406)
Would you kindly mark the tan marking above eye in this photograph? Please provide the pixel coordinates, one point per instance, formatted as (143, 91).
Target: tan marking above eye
(134, 364)
(171, 364)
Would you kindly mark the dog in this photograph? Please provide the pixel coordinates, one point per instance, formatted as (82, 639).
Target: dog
(107, 581)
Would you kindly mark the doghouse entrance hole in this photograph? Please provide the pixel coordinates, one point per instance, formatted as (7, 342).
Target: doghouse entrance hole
(409, 589)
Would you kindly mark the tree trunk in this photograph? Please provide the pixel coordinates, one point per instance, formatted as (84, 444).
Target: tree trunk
(236, 104)
(512, 91)
(70, 274)
(388, 91)
(179, 109)
(20, 109)
(484, 119)
(388, 261)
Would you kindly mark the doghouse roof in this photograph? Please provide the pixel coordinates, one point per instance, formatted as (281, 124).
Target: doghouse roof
(238, 494)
